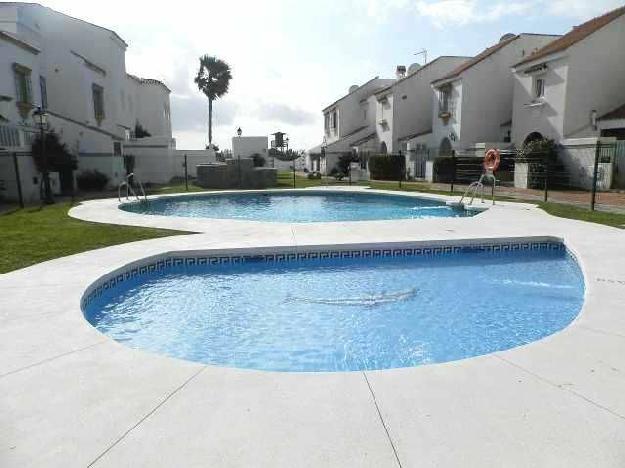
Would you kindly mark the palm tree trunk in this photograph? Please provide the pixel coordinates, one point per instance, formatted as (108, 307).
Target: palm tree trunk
(210, 123)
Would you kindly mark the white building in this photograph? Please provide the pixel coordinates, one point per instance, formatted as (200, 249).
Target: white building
(349, 124)
(473, 103)
(77, 72)
(247, 146)
(572, 91)
(561, 88)
(404, 109)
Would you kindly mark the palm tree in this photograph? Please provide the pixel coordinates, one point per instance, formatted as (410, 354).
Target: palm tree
(212, 79)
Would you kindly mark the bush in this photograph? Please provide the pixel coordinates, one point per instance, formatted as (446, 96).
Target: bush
(314, 175)
(337, 174)
(259, 161)
(387, 167)
(92, 181)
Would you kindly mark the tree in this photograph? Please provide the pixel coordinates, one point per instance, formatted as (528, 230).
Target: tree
(57, 155)
(213, 79)
(141, 132)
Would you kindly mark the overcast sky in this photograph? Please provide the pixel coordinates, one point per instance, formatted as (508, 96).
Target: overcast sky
(290, 59)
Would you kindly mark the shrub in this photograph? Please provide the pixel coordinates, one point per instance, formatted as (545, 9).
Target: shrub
(92, 181)
(259, 161)
(314, 175)
(387, 167)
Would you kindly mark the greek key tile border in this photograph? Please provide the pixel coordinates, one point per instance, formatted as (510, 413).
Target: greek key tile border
(274, 258)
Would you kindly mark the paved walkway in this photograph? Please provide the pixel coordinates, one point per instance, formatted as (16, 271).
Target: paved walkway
(70, 396)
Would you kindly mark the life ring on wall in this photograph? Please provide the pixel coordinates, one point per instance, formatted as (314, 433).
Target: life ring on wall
(492, 159)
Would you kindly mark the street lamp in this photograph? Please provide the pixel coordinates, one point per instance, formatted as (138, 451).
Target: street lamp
(239, 131)
(41, 120)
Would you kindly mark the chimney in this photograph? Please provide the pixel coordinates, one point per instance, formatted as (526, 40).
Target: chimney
(400, 72)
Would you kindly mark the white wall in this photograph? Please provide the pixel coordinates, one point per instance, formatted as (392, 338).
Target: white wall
(412, 99)
(548, 117)
(246, 146)
(485, 101)
(596, 79)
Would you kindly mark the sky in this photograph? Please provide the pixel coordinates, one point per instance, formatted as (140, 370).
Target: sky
(290, 59)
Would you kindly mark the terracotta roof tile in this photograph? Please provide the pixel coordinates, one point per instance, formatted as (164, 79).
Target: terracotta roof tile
(577, 34)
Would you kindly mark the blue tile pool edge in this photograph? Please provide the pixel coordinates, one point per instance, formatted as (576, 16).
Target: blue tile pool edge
(278, 254)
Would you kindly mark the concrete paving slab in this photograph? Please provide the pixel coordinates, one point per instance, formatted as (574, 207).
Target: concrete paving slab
(240, 418)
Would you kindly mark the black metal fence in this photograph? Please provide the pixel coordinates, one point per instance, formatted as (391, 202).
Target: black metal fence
(580, 173)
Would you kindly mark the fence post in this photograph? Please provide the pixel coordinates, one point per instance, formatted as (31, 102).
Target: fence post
(239, 165)
(453, 170)
(293, 173)
(186, 174)
(593, 195)
(546, 181)
(20, 196)
(401, 175)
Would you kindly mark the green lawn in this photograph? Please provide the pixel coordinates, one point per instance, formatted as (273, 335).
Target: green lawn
(33, 235)
(584, 214)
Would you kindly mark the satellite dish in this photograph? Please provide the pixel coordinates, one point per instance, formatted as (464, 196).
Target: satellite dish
(353, 88)
(507, 36)
(413, 68)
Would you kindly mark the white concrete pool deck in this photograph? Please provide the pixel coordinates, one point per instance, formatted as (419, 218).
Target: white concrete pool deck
(70, 396)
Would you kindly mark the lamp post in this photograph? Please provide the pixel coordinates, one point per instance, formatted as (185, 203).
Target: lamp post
(41, 120)
(324, 145)
(239, 132)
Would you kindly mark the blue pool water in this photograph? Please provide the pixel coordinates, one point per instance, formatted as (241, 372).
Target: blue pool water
(297, 208)
(344, 314)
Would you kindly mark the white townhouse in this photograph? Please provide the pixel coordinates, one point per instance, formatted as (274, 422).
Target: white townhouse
(473, 103)
(572, 90)
(404, 110)
(77, 72)
(349, 124)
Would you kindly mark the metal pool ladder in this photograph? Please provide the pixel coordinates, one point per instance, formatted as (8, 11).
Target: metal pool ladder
(473, 189)
(131, 191)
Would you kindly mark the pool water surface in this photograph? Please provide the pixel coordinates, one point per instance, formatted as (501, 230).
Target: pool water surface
(345, 314)
(302, 207)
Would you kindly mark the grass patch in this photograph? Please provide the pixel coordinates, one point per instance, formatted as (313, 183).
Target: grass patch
(34, 235)
(584, 214)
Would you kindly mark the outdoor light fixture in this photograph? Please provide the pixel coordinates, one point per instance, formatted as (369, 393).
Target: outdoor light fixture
(40, 117)
(239, 131)
(41, 120)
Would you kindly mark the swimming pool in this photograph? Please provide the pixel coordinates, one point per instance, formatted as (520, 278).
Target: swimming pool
(345, 310)
(301, 207)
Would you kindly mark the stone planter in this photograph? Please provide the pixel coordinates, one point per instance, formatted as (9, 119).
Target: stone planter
(429, 171)
(521, 175)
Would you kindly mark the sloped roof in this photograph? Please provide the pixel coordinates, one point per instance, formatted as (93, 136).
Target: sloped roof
(477, 59)
(618, 113)
(148, 81)
(578, 33)
(38, 5)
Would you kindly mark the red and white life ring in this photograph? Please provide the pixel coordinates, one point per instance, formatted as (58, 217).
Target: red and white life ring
(492, 159)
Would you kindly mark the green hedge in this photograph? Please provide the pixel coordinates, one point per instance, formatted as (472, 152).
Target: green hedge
(387, 167)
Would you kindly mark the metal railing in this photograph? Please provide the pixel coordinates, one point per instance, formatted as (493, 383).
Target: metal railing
(128, 182)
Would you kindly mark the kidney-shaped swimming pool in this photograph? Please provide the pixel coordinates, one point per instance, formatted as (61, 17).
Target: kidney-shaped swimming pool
(300, 207)
(343, 310)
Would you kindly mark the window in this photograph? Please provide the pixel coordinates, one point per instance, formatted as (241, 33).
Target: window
(539, 87)
(166, 112)
(98, 102)
(44, 92)
(444, 100)
(23, 89)
(334, 120)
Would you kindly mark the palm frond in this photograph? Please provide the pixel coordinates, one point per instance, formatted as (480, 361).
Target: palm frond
(213, 77)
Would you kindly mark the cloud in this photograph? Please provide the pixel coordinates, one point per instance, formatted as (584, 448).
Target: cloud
(461, 12)
(581, 9)
(190, 113)
(283, 113)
